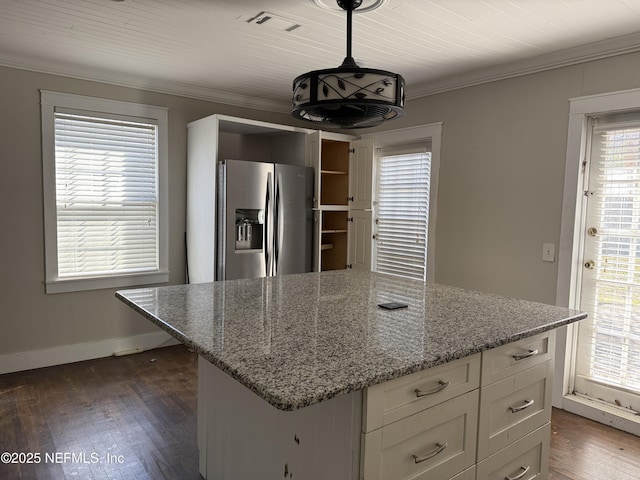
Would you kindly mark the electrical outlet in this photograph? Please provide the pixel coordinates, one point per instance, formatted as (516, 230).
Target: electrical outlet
(548, 252)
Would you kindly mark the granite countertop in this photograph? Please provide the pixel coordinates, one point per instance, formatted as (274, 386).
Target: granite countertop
(296, 340)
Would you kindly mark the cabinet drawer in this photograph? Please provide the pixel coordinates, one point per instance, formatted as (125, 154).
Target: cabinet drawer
(436, 443)
(501, 362)
(390, 401)
(468, 474)
(513, 407)
(526, 459)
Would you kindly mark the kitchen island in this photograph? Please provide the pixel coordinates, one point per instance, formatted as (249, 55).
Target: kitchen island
(297, 373)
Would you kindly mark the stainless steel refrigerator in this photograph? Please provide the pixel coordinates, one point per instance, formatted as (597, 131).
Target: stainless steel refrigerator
(265, 219)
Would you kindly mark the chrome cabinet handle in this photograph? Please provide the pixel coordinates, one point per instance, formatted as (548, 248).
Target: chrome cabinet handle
(439, 448)
(441, 386)
(520, 475)
(527, 404)
(531, 353)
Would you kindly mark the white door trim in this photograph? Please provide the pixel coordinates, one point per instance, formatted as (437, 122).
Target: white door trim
(580, 110)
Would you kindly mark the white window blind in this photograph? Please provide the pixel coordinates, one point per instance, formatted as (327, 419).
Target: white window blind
(402, 211)
(609, 343)
(106, 190)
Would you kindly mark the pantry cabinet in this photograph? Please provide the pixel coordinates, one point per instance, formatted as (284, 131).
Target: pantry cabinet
(342, 194)
(344, 174)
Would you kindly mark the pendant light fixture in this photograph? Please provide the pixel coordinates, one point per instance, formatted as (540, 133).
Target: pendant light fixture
(348, 96)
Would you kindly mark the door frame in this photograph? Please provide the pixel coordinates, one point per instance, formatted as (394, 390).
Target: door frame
(569, 255)
(431, 132)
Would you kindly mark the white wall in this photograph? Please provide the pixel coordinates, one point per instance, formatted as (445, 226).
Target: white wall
(69, 325)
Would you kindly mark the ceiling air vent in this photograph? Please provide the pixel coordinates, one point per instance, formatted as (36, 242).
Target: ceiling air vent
(273, 22)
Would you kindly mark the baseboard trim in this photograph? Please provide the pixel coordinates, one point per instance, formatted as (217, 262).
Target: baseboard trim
(17, 362)
(602, 413)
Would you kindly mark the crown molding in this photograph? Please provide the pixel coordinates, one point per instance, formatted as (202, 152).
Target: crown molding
(563, 58)
(168, 87)
(572, 56)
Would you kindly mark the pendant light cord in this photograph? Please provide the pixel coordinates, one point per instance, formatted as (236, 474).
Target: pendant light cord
(349, 62)
(349, 31)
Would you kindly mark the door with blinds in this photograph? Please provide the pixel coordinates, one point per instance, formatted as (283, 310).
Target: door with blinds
(608, 349)
(402, 210)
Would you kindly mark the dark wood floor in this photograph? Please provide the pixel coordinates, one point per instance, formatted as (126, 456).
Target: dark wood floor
(134, 417)
(123, 418)
(582, 449)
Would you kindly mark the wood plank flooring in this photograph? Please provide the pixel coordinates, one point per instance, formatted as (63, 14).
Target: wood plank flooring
(582, 449)
(134, 418)
(126, 418)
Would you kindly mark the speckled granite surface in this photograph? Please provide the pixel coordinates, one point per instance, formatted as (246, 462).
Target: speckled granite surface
(296, 340)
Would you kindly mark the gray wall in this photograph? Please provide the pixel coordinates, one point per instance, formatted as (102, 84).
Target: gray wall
(502, 173)
(30, 319)
(500, 192)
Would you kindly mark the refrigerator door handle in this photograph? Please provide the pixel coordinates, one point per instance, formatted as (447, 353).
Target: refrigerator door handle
(267, 219)
(277, 220)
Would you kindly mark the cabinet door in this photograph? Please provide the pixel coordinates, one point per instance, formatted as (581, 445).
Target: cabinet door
(390, 401)
(502, 362)
(527, 458)
(434, 444)
(360, 174)
(513, 407)
(313, 155)
(359, 255)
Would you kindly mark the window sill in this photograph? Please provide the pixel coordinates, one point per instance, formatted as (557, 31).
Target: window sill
(96, 283)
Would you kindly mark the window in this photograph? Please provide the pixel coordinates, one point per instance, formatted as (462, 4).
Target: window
(405, 194)
(402, 211)
(105, 183)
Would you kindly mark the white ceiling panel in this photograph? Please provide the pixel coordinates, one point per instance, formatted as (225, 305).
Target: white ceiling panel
(207, 49)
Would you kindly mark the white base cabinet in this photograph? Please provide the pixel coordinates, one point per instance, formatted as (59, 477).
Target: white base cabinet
(502, 432)
(241, 436)
(438, 442)
(483, 417)
(525, 459)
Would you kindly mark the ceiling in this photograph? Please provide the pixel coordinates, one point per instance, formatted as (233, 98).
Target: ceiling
(212, 49)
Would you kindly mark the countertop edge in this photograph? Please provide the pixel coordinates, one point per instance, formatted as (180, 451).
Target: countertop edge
(282, 404)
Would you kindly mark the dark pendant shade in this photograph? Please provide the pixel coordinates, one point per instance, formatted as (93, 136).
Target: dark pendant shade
(348, 96)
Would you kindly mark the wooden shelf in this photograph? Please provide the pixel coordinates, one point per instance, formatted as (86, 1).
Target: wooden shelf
(334, 231)
(326, 246)
(334, 172)
(334, 208)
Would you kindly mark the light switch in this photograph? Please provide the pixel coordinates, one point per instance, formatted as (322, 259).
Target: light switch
(548, 252)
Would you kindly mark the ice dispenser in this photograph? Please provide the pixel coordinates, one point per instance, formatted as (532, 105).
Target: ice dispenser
(249, 228)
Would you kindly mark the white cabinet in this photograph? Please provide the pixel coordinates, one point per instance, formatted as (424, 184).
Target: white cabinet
(361, 174)
(524, 459)
(344, 169)
(220, 137)
(240, 436)
(484, 417)
(343, 182)
(359, 238)
(438, 442)
(423, 425)
(507, 360)
(399, 398)
(515, 409)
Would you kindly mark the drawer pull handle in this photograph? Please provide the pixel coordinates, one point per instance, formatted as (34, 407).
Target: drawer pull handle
(439, 448)
(520, 475)
(530, 353)
(441, 386)
(527, 404)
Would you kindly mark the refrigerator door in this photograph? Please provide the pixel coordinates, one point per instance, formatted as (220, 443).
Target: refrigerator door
(293, 229)
(245, 200)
